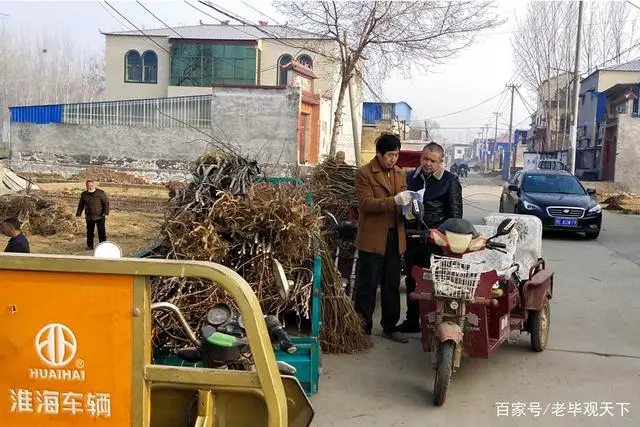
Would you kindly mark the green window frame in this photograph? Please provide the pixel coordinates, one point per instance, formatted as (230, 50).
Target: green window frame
(203, 65)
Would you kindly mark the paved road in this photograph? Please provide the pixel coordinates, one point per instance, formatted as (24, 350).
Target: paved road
(593, 353)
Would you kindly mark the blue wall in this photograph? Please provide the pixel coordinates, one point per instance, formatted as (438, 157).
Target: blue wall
(374, 112)
(403, 111)
(37, 114)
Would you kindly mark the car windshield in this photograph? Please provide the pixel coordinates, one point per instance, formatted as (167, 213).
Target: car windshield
(561, 184)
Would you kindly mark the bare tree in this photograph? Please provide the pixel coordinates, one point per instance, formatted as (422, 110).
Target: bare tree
(382, 36)
(45, 68)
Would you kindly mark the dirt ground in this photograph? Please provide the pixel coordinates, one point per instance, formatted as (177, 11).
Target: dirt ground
(137, 214)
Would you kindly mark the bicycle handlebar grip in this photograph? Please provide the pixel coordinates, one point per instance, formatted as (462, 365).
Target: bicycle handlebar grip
(497, 245)
(279, 335)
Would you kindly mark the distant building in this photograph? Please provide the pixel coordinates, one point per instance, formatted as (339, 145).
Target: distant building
(378, 118)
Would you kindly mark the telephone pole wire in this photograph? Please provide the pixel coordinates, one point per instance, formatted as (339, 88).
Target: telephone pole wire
(576, 92)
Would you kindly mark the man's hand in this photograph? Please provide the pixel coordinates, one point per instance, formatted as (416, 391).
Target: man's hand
(403, 198)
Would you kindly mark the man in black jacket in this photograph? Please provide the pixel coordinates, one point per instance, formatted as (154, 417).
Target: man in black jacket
(18, 242)
(95, 204)
(442, 200)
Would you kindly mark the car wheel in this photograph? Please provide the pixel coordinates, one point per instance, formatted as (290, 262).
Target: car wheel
(593, 235)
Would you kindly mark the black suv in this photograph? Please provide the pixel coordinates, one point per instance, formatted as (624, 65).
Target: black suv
(556, 197)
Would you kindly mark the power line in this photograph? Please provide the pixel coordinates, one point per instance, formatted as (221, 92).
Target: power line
(273, 67)
(161, 21)
(468, 108)
(261, 13)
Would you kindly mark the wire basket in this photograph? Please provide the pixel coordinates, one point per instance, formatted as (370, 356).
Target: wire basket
(454, 277)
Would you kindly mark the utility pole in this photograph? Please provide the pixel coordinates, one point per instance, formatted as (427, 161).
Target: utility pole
(576, 92)
(354, 124)
(495, 135)
(511, 156)
(485, 133)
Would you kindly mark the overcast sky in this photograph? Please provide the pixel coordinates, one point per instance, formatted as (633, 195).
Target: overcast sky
(477, 74)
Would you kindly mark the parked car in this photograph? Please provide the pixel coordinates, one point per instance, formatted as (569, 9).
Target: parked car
(556, 197)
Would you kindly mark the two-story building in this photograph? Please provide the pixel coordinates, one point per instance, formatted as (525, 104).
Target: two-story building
(553, 116)
(190, 60)
(592, 145)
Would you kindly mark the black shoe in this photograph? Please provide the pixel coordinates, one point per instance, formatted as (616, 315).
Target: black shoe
(395, 336)
(409, 327)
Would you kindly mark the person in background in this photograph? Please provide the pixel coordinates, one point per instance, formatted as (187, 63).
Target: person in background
(340, 158)
(381, 190)
(95, 204)
(18, 242)
(442, 200)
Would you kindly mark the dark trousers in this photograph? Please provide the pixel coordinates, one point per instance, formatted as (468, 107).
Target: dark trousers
(418, 253)
(102, 232)
(374, 269)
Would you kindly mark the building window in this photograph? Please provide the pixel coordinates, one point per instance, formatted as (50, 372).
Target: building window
(133, 66)
(306, 60)
(205, 65)
(282, 73)
(150, 67)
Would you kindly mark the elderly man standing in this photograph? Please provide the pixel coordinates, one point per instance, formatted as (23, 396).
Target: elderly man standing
(381, 190)
(95, 204)
(442, 200)
(340, 158)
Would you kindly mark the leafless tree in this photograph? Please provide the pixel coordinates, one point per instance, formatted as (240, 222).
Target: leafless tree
(45, 68)
(384, 36)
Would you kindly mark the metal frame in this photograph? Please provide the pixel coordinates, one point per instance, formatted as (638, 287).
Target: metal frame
(265, 380)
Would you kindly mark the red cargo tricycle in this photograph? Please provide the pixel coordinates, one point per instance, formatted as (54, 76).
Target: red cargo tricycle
(475, 295)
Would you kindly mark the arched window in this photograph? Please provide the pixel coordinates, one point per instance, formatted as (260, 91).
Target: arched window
(282, 73)
(306, 60)
(132, 66)
(150, 67)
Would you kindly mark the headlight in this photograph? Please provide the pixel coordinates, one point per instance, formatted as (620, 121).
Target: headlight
(596, 209)
(529, 206)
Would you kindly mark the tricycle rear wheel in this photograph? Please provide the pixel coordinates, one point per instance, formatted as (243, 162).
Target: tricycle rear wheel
(539, 326)
(443, 372)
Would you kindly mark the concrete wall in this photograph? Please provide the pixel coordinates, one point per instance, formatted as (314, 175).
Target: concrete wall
(260, 123)
(627, 172)
(115, 50)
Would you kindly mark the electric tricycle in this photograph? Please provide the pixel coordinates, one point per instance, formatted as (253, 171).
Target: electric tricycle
(478, 292)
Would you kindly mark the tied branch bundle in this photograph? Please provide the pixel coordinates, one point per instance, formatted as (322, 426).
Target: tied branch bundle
(333, 187)
(225, 216)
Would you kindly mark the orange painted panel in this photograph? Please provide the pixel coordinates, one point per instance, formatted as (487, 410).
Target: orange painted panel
(65, 349)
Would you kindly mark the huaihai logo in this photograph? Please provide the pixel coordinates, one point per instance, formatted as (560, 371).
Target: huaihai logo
(56, 345)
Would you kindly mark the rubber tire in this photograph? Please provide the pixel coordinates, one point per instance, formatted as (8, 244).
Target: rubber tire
(536, 322)
(443, 372)
(592, 236)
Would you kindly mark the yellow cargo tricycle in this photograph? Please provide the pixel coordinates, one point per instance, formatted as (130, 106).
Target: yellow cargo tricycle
(75, 349)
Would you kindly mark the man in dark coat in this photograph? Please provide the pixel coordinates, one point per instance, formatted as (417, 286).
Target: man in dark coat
(18, 242)
(381, 190)
(442, 200)
(95, 204)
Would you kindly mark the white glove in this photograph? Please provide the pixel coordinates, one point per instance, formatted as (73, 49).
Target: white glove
(403, 198)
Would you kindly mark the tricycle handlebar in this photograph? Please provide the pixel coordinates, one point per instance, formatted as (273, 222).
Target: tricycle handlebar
(167, 306)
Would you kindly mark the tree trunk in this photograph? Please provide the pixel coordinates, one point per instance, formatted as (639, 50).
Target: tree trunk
(337, 119)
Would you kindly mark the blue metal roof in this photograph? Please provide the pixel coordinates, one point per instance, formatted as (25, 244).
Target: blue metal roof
(41, 114)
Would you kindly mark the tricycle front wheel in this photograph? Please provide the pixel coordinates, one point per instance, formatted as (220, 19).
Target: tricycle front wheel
(539, 322)
(443, 372)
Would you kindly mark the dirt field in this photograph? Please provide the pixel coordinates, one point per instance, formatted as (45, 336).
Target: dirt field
(137, 213)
